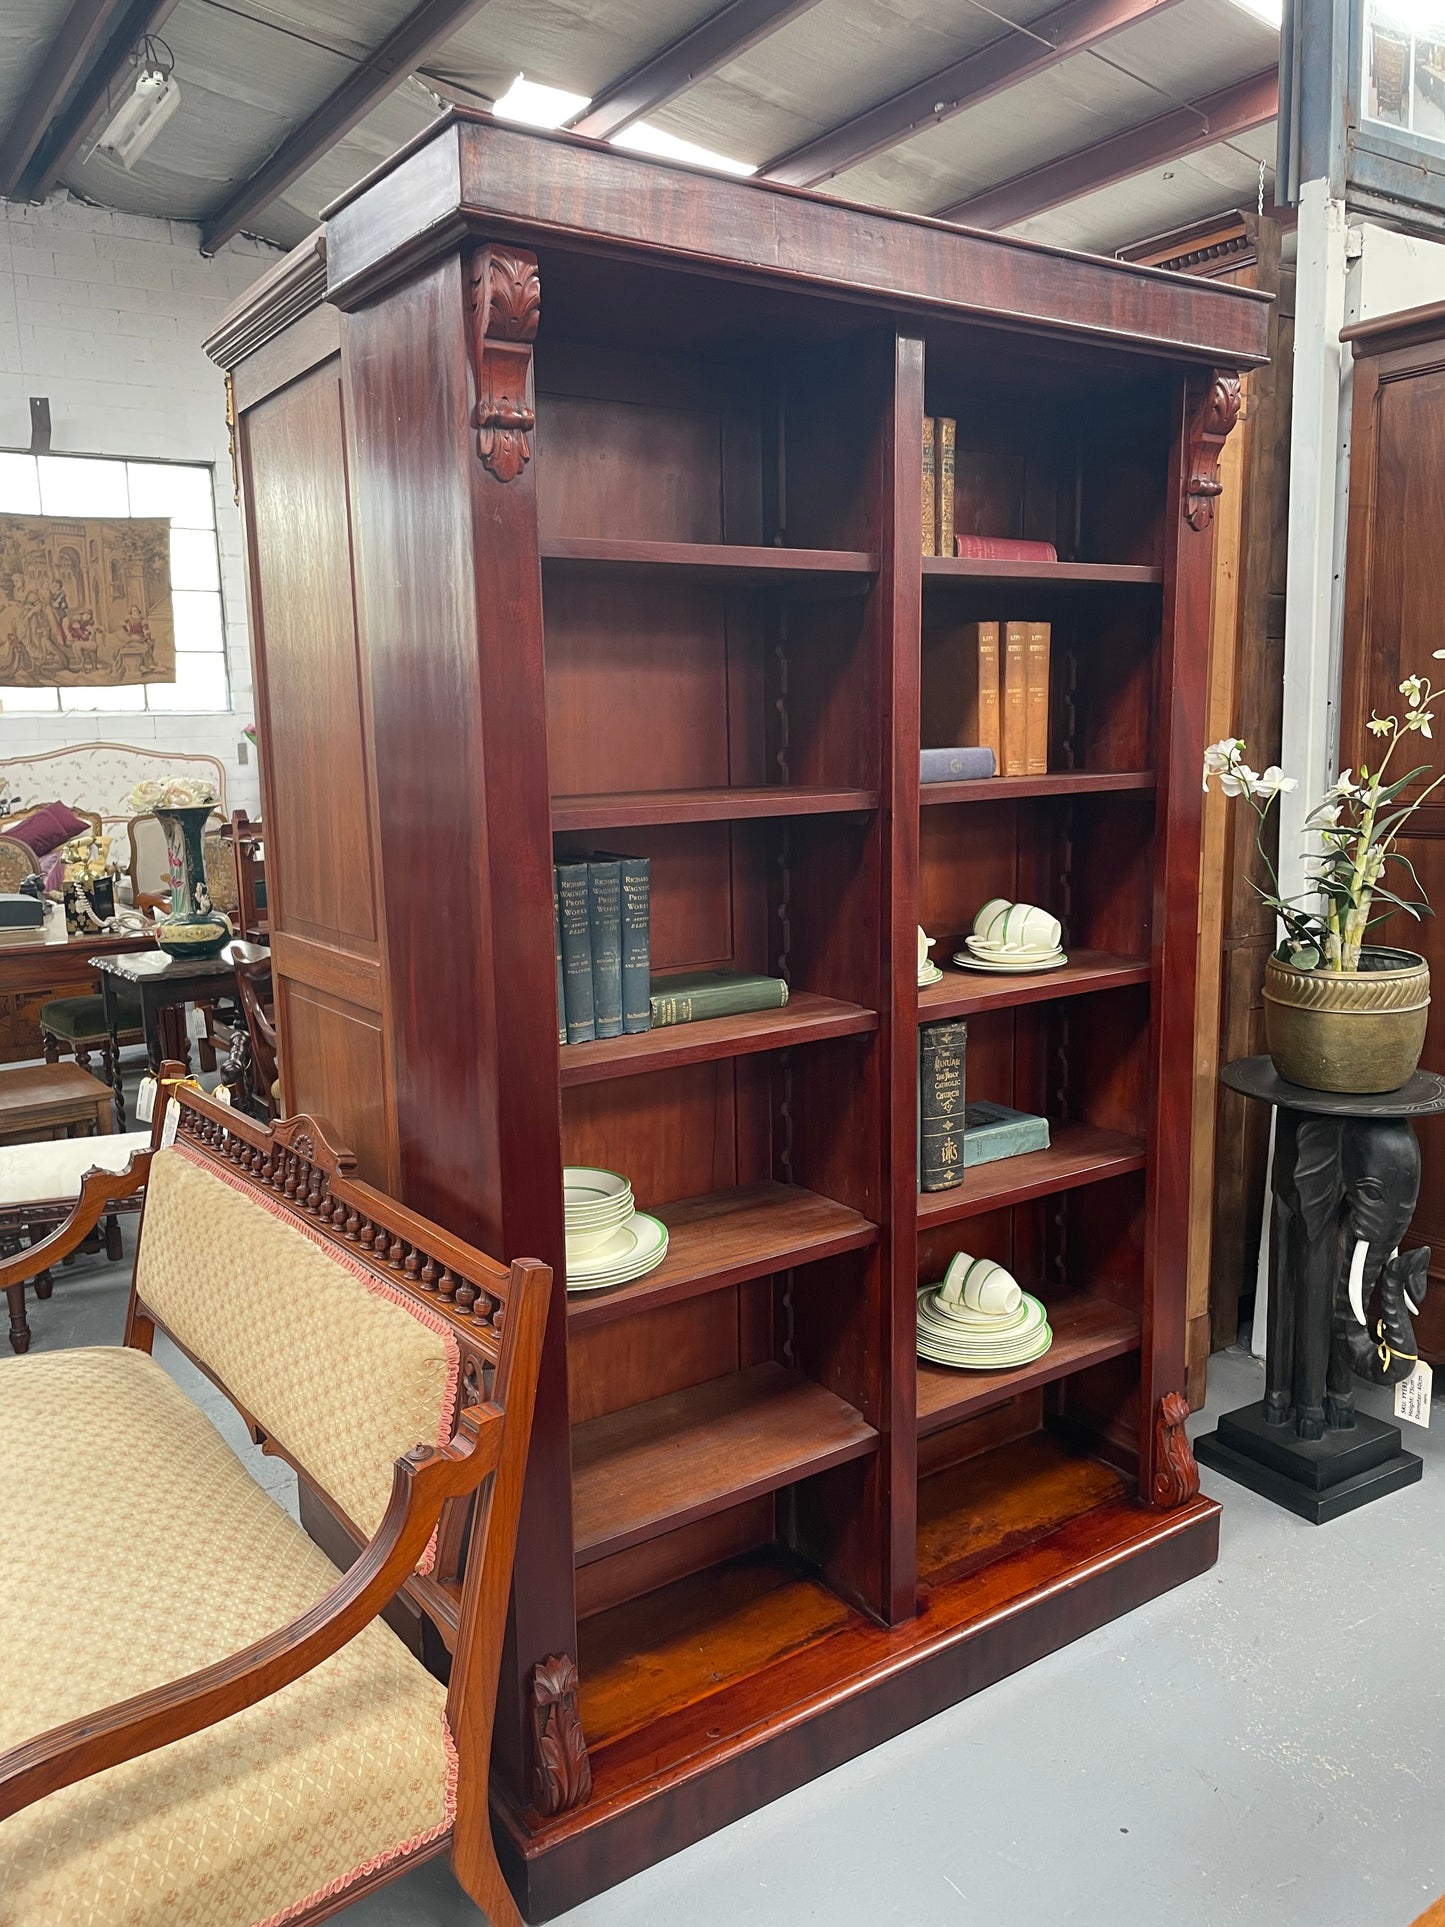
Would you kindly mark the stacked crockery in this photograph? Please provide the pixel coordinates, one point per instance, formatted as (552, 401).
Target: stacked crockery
(1012, 937)
(928, 970)
(979, 1320)
(609, 1241)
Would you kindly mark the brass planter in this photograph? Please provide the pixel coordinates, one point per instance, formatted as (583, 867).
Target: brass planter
(1335, 1030)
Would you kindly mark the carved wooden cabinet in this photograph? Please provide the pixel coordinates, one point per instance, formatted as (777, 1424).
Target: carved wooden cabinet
(583, 509)
(1392, 628)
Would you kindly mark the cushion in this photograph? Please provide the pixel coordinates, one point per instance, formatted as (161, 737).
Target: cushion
(82, 1019)
(53, 1167)
(341, 1368)
(144, 1552)
(47, 828)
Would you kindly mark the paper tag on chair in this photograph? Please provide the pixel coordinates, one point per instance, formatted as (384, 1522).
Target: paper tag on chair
(172, 1123)
(195, 1023)
(145, 1100)
(222, 1094)
(1412, 1396)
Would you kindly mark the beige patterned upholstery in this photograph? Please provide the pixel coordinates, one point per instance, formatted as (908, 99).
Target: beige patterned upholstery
(136, 1549)
(348, 1385)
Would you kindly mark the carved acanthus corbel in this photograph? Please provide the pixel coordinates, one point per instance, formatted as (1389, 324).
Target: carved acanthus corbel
(562, 1771)
(506, 301)
(1176, 1476)
(1213, 415)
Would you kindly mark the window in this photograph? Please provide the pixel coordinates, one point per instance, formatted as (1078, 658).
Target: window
(1405, 65)
(86, 485)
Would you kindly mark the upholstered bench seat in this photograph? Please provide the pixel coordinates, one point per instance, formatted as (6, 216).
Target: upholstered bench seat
(134, 1549)
(53, 1167)
(82, 1019)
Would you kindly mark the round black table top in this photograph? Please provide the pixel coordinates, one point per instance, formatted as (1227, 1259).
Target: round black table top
(1422, 1095)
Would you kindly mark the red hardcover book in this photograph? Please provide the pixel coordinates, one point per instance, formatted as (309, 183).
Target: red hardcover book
(1003, 548)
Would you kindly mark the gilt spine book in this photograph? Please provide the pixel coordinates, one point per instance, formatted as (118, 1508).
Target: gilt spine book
(576, 953)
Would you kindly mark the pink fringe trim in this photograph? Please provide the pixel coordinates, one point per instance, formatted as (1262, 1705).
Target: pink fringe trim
(380, 1287)
(381, 1861)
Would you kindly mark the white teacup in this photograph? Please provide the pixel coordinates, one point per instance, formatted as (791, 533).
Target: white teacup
(989, 921)
(925, 944)
(980, 1284)
(1025, 926)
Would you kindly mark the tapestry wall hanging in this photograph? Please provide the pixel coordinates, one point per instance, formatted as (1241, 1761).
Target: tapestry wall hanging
(85, 603)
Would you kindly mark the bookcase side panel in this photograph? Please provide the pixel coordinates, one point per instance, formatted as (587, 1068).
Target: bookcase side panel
(449, 593)
(1202, 417)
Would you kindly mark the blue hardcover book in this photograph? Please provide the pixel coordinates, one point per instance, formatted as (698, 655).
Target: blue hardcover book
(576, 952)
(604, 915)
(636, 891)
(955, 765)
(992, 1131)
(557, 946)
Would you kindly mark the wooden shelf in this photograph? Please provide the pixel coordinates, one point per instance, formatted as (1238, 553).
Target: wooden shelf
(1086, 1332)
(943, 569)
(1077, 1154)
(624, 808)
(963, 992)
(730, 564)
(804, 1019)
(1009, 789)
(651, 1468)
(725, 1238)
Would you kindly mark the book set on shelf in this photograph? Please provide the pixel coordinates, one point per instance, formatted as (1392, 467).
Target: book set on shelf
(761, 1533)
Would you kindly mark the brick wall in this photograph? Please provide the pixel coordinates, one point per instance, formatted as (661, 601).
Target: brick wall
(104, 313)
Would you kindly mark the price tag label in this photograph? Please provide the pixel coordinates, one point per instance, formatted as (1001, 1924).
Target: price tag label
(1412, 1396)
(172, 1123)
(222, 1093)
(145, 1100)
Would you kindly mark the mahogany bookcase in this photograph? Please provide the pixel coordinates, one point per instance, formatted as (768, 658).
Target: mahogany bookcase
(582, 497)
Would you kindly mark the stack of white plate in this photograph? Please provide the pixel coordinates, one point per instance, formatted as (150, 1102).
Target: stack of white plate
(609, 1241)
(1012, 937)
(979, 1320)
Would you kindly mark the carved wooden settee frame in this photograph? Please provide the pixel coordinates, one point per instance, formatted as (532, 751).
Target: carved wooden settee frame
(467, 1491)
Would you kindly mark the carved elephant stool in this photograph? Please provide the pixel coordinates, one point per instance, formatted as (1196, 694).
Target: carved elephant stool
(1345, 1181)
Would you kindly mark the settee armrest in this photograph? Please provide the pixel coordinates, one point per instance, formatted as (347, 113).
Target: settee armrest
(422, 1482)
(100, 1191)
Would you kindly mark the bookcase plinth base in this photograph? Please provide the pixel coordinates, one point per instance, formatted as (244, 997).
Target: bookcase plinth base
(864, 1684)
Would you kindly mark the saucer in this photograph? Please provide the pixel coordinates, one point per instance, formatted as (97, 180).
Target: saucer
(1056, 961)
(639, 1247)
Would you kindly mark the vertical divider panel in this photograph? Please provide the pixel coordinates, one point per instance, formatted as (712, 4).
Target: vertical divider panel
(902, 585)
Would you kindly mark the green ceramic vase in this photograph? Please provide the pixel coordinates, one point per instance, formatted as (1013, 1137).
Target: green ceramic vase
(193, 928)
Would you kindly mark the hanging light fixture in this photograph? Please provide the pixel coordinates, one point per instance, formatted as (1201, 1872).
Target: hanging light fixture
(146, 108)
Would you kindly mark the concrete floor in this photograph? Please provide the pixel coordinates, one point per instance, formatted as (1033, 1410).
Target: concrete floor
(1261, 1748)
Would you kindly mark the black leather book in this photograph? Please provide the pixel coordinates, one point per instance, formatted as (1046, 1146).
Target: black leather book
(941, 1053)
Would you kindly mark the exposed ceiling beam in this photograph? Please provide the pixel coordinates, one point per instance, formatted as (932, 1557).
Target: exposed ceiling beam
(87, 57)
(59, 69)
(376, 76)
(1014, 56)
(711, 44)
(1153, 143)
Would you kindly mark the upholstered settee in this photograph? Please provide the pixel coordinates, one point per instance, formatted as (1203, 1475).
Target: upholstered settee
(210, 1727)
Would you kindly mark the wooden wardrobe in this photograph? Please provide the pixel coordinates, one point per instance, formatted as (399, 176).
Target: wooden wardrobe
(582, 498)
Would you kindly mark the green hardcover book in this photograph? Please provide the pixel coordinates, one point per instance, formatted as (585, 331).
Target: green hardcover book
(636, 940)
(993, 1131)
(941, 1053)
(576, 952)
(557, 946)
(604, 916)
(693, 995)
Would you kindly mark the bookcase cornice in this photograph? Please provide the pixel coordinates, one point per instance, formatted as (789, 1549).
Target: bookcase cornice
(471, 174)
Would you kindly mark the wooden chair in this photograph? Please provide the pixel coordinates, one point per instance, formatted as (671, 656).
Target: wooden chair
(253, 987)
(245, 840)
(39, 1185)
(223, 1729)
